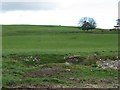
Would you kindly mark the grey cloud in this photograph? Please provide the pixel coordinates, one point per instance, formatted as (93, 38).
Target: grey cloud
(12, 6)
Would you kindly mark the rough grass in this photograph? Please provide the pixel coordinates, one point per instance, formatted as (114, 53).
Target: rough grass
(51, 44)
(20, 74)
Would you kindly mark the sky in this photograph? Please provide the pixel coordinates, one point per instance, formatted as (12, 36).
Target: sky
(59, 12)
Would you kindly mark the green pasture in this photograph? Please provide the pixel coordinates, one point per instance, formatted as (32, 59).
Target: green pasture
(22, 43)
(56, 39)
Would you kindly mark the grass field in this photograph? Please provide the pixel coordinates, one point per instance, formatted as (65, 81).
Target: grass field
(45, 39)
(51, 44)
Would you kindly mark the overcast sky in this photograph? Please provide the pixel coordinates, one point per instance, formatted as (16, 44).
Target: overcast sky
(59, 12)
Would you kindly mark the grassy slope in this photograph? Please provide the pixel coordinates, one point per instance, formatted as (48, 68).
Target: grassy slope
(52, 43)
(55, 40)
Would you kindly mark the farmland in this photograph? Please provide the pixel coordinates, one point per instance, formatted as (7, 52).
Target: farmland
(33, 56)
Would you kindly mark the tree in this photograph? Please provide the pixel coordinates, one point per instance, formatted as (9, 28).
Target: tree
(87, 23)
(118, 22)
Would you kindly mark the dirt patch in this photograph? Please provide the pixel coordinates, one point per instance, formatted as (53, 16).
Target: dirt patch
(82, 80)
(44, 72)
(29, 87)
(56, 87)
(93, 81)
(90, 59)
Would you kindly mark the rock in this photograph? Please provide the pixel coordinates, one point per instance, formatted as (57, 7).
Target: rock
(108, 64)
(67, 63)
(68, 70)
(71, 58)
